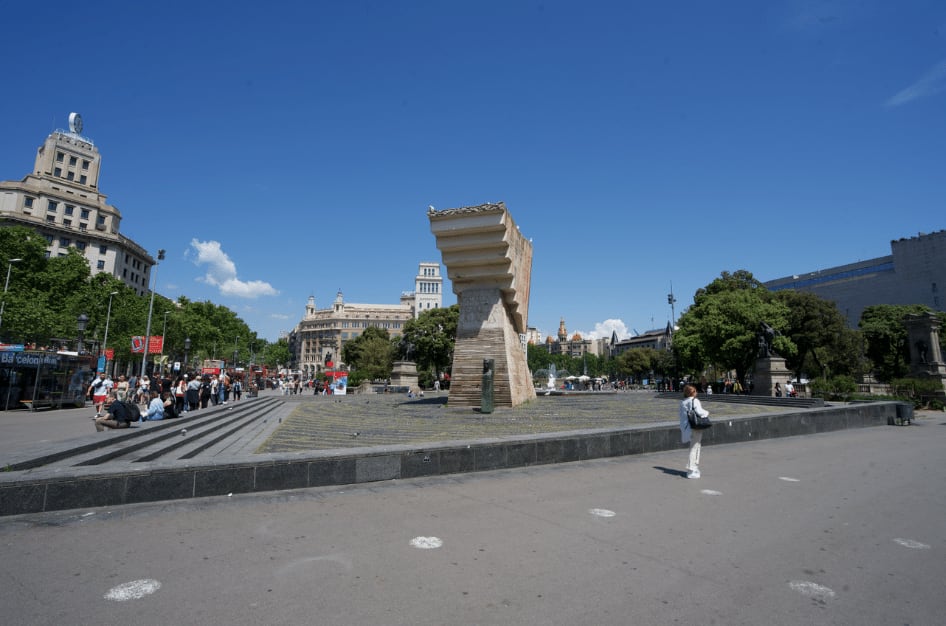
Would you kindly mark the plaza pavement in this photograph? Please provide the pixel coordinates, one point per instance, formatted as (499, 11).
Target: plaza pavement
(838, 528)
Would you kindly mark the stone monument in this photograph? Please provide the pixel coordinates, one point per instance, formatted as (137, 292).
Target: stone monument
(489, 264)
(926, 357)
(404, 374)
(769, 367)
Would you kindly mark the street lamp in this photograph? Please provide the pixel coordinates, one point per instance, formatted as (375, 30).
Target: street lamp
(108, 318)
(671, 301)
(154, 275)
(187, 349)
(164, 330)
(5, 286)
(81, 323)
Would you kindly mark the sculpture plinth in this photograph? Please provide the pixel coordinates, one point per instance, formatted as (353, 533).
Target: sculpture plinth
(404, 374)
(926, 358)
(489, 264)
(768, 371)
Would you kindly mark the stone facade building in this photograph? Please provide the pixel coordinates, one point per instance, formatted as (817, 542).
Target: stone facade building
(912, 274)
(61, 200)
(657, 339)
(321, 333)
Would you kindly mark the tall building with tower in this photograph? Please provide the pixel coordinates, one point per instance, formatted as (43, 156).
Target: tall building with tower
(321, 334)
(61, 200)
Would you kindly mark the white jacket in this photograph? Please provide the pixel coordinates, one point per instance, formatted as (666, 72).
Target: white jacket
(685, 429)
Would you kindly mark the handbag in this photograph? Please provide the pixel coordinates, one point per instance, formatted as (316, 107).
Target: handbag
(697, 422)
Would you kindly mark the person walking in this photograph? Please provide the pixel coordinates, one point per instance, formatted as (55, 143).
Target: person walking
(99, 391)
(689, 435)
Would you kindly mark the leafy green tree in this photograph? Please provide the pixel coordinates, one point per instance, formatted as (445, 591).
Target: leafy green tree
(637, 363)
(431, 337)
(817, 329)
(370, 355)
(722, 325)
(886, 338)
(276, 353)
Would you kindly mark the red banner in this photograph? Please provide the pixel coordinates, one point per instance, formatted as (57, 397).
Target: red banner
(155, 346)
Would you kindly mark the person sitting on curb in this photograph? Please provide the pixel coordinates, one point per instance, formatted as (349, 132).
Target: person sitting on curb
(155, 408)
(117, 415)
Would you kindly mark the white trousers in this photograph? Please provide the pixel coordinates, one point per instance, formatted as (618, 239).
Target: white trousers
(695, 437)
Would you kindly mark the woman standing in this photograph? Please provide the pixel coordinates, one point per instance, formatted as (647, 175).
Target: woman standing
(689, 435)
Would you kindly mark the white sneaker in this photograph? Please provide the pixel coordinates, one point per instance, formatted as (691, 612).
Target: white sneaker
(693, 473)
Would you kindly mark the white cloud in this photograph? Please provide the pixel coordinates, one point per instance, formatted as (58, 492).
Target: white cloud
(604, 330)
(222, 273)
(279, 316)
(930, 83)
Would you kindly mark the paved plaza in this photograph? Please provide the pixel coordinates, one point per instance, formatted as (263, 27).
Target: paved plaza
(835, 528)
(324, 423)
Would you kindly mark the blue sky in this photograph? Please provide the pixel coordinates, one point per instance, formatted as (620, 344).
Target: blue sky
(285, 149)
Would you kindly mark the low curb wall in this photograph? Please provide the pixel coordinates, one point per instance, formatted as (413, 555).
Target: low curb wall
(56, 489)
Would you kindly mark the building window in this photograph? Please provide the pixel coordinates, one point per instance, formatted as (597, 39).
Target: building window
(27, 202)
(100, 265)
(125, 273)
(67, 222)
(69, 209)
(73, 160)
(70, 176)
(51, 206)
(85, 164)
(83, 226)
(64, 242)
(82, 179)
(59, 157)
(51, 219)
(58, 171)
(49, 240)
(103, 249)
(84, 214)
(81, 246)
(100, 221)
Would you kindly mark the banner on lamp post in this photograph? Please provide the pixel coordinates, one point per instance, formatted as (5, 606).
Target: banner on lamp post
(155, 345)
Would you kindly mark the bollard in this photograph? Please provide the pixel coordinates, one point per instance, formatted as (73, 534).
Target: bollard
(486, 403)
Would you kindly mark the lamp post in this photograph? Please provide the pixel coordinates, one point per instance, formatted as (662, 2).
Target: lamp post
(144, 358)
(164, 331)
(5, 286)
(81, 323)
(108, 318)
(671, 301)
(187, 349)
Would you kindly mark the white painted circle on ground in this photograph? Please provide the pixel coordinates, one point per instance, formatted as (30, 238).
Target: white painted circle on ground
(812, 590)
(426, 543)
(711, 492)
(135, 590)
(602, 512)
(788, 479)
(909, 543)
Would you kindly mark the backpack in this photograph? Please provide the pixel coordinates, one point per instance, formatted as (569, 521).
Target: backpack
(132, 410)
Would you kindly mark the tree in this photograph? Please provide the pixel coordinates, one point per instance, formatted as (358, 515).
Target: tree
(887, 339)
(430, 339)
(722, 325)
(817, 329)
(637, 363)
(276, 353)
(370, 355)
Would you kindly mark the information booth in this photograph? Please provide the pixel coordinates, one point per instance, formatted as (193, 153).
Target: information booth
(33, 379)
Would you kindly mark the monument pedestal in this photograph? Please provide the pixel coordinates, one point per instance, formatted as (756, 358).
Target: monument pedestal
(926, 358)
(404, 374)
(768, 371)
